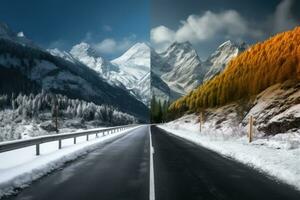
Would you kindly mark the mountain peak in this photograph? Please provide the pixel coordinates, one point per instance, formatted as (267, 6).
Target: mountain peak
(230, 44)
(226, 44)
(218, 61)
(137, 55)
(84, 49)
(187, 46)
(140, 45)
(180, 50)
(5, 30)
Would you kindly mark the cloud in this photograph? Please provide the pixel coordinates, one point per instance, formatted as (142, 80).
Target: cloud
(162, 36)
(283, 19)
(106, 46)
(112, 46)
(197, 29)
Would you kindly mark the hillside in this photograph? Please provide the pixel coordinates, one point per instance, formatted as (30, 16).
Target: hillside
(26, 69)
(264, 64)
(181, 69)
(129, 71)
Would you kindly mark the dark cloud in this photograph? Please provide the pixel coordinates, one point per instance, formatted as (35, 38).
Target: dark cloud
(207, 24)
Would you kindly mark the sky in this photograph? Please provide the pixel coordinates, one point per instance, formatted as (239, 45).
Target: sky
(111, 26)
(209, 23)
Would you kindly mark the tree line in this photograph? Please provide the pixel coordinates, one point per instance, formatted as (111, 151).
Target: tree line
(36, 105)
(159, 110)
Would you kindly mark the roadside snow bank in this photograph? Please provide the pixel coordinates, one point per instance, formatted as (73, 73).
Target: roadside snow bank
(20, 167)
(277, 155)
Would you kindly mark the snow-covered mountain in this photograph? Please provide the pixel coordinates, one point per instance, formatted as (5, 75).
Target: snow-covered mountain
(20, 38)
(26, 69)
(180, 68)
(131, 70)
(135, 61)
(187, 71)
(86, 54)
(62, 54)
(220, 58)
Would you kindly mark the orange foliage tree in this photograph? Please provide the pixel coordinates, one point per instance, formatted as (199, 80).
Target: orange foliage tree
(262, 65)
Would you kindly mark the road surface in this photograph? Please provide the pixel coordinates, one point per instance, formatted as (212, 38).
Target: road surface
(119, 170)
(186, 171)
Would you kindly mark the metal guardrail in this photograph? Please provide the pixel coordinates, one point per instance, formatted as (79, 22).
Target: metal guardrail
(13, 145)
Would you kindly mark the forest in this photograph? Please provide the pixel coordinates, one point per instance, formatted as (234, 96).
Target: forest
(159, 110)
(30, 109)
(275, 60)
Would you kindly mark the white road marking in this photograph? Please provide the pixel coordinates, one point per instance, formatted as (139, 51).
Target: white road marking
(151, 191)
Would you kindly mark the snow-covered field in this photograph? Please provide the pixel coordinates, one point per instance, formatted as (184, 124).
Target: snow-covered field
(20, 167)
(277, 155)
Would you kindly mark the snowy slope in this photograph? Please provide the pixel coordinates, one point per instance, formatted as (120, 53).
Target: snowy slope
(8, 34)
(277, 156)
(130, 71)
(182, 70)
(62, 54)
(88, 55)
(134, 66)
(179, 67)
(135, 61)
(187, 70)
(275, 147)
(29, 70)
(219, 59)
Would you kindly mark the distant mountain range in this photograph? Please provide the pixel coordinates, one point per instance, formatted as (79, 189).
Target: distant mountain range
(181, 70)
(131, 71)
(82, 73)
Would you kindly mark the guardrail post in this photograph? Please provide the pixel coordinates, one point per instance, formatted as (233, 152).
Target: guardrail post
(250, 133)
(74, 140)
(87, 137)
(201, 121)
(37, 148)
(96, 135)
(59, 144)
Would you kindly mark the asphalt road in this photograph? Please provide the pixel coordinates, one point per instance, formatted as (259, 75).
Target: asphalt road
(116, 170)
(119, 170)
(185, 171)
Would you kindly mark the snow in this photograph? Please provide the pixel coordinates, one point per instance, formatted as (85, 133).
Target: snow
(8, 34)
(277, 156)
(182, 70)
(21, 167)
(292, 111)
(129, 71)
(21, 34)
(62, 54)
(277, 108)
(220, 58)
(137, 55)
